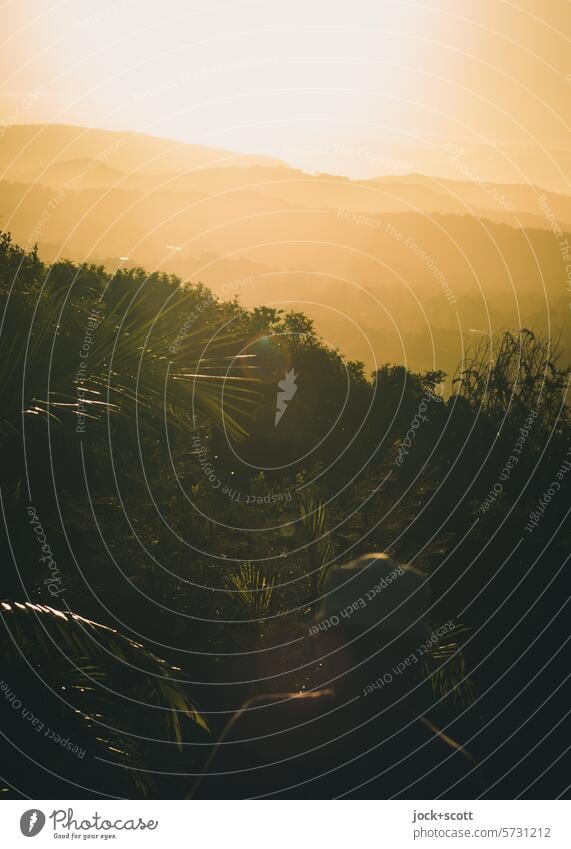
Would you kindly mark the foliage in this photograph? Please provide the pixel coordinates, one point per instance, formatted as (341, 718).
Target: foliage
(180, 506)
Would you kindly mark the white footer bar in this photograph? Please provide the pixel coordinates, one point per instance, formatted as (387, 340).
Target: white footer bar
(286, 824)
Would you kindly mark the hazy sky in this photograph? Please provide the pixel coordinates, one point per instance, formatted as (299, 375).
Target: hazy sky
(362, 88)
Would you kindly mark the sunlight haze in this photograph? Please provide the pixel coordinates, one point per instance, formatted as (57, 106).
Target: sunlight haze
(361, 89)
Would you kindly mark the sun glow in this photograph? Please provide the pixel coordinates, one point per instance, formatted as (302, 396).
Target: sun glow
(364, 88)
(311, 84)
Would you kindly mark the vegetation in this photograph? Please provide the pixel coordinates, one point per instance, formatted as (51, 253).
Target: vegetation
(138, 433)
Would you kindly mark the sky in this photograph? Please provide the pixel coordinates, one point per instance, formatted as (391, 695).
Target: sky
(362, 88)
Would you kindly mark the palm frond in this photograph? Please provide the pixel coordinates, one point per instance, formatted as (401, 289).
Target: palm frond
(100, 670)
(445, 667)
(319, 547)
(254, 586)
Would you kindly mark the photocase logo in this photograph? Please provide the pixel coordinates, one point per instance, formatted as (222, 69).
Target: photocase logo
(32, 822)
(286, 390)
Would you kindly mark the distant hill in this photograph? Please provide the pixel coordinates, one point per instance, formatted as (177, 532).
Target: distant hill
(26, 150)
(399, 267)
(490, 196)
(83, 158)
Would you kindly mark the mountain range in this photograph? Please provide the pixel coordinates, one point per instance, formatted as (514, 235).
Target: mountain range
(401, 268)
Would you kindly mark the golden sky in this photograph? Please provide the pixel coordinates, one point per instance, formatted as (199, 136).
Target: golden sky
(361, 88)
